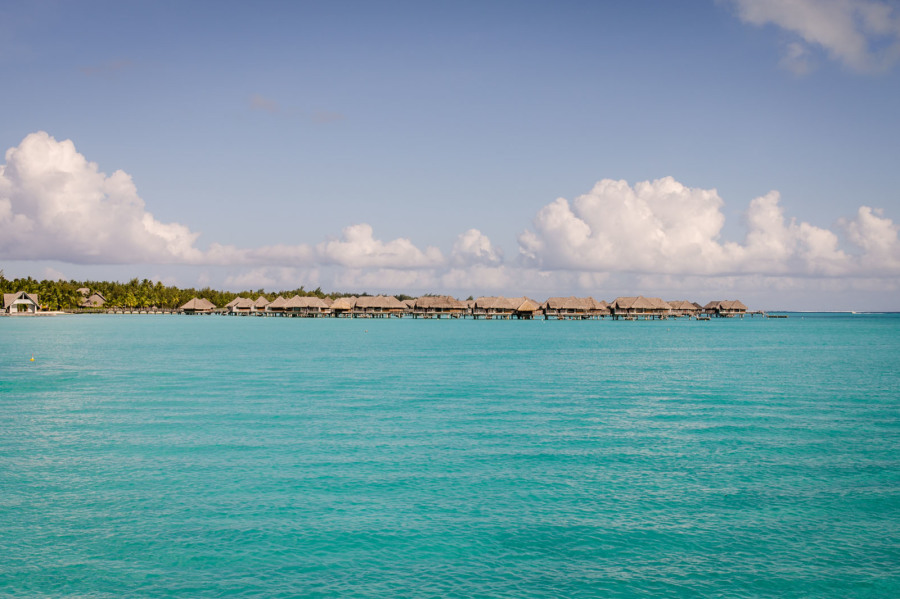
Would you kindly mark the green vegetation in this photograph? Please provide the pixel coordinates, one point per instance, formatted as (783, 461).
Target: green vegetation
(64, 295)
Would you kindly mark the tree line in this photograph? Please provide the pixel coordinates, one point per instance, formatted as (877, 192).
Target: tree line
(64, 295)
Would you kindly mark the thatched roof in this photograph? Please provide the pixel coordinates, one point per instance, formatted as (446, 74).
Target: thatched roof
(499, 303)
(261, 302)
(94, 301)
(682, 305)
(583, 304)
(10, 298)
(600, 306)
(306, 302)
(726, 305)
(344, 303)
(84, 291)
(198, 305)
(528, 305)
(241, 303)
(277, 304)
(659, 304)
(439, 302)
(383, 302)
(640, 303)
(233, 302)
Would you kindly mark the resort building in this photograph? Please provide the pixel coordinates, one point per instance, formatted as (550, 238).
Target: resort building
(306, 306)
(640, 307)
(437, 306)
(21, 303)
(505, 307)
(343, 306)
(240, 305)
(198, 306)
(277, 305)
(725, 308)
(378, 306)
(684, 308)
(568, 308)
(260, 303)
(95, 300)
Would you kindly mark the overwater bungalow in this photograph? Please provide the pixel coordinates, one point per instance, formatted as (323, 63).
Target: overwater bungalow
(684, 308)
(277, 306)
(21, 303)
(240, 305)
(198, 306)
(260, 303)
(309, 306)
(379, 306)
(438, 306)
(343, 306)
(574, 308)
(528, 309)
(640, 307)
(502, 307)
(599, 309)
(725, 308)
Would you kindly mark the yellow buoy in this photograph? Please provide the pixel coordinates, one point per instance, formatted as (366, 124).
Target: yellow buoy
(32, 357)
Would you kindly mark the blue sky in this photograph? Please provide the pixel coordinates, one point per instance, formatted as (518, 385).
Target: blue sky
(415, 147)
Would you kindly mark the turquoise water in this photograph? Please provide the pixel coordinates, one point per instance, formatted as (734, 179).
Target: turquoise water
(174, 456)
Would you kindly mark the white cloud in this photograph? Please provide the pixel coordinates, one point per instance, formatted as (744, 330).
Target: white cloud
(863, 35)
(272, 278)
(878, 237)
(358, 248)
(664, 227)
(658, 226)
(54, 204)
(655, 237)
(474, 247)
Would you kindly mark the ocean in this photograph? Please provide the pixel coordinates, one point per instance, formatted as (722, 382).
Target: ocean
(210, 456)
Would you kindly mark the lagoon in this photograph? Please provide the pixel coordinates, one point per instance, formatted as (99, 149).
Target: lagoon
(208, 456)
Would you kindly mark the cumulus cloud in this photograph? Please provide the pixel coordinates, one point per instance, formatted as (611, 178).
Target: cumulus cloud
(358, 248)
(664, 227)
(474, 247)
(651, 236)
(54, 204)
(272, 278)
(863, 35)
(658, 226)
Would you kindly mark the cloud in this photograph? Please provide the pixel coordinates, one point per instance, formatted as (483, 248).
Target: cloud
(54, 204)
(664, 227)
(359, 249)
(653, 236)
(658, 226)
(272, 278)
(797, 59)
(863, 35)
(878, 238)
(474, 247)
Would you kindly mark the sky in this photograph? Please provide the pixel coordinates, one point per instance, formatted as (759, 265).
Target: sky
(701, 150)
